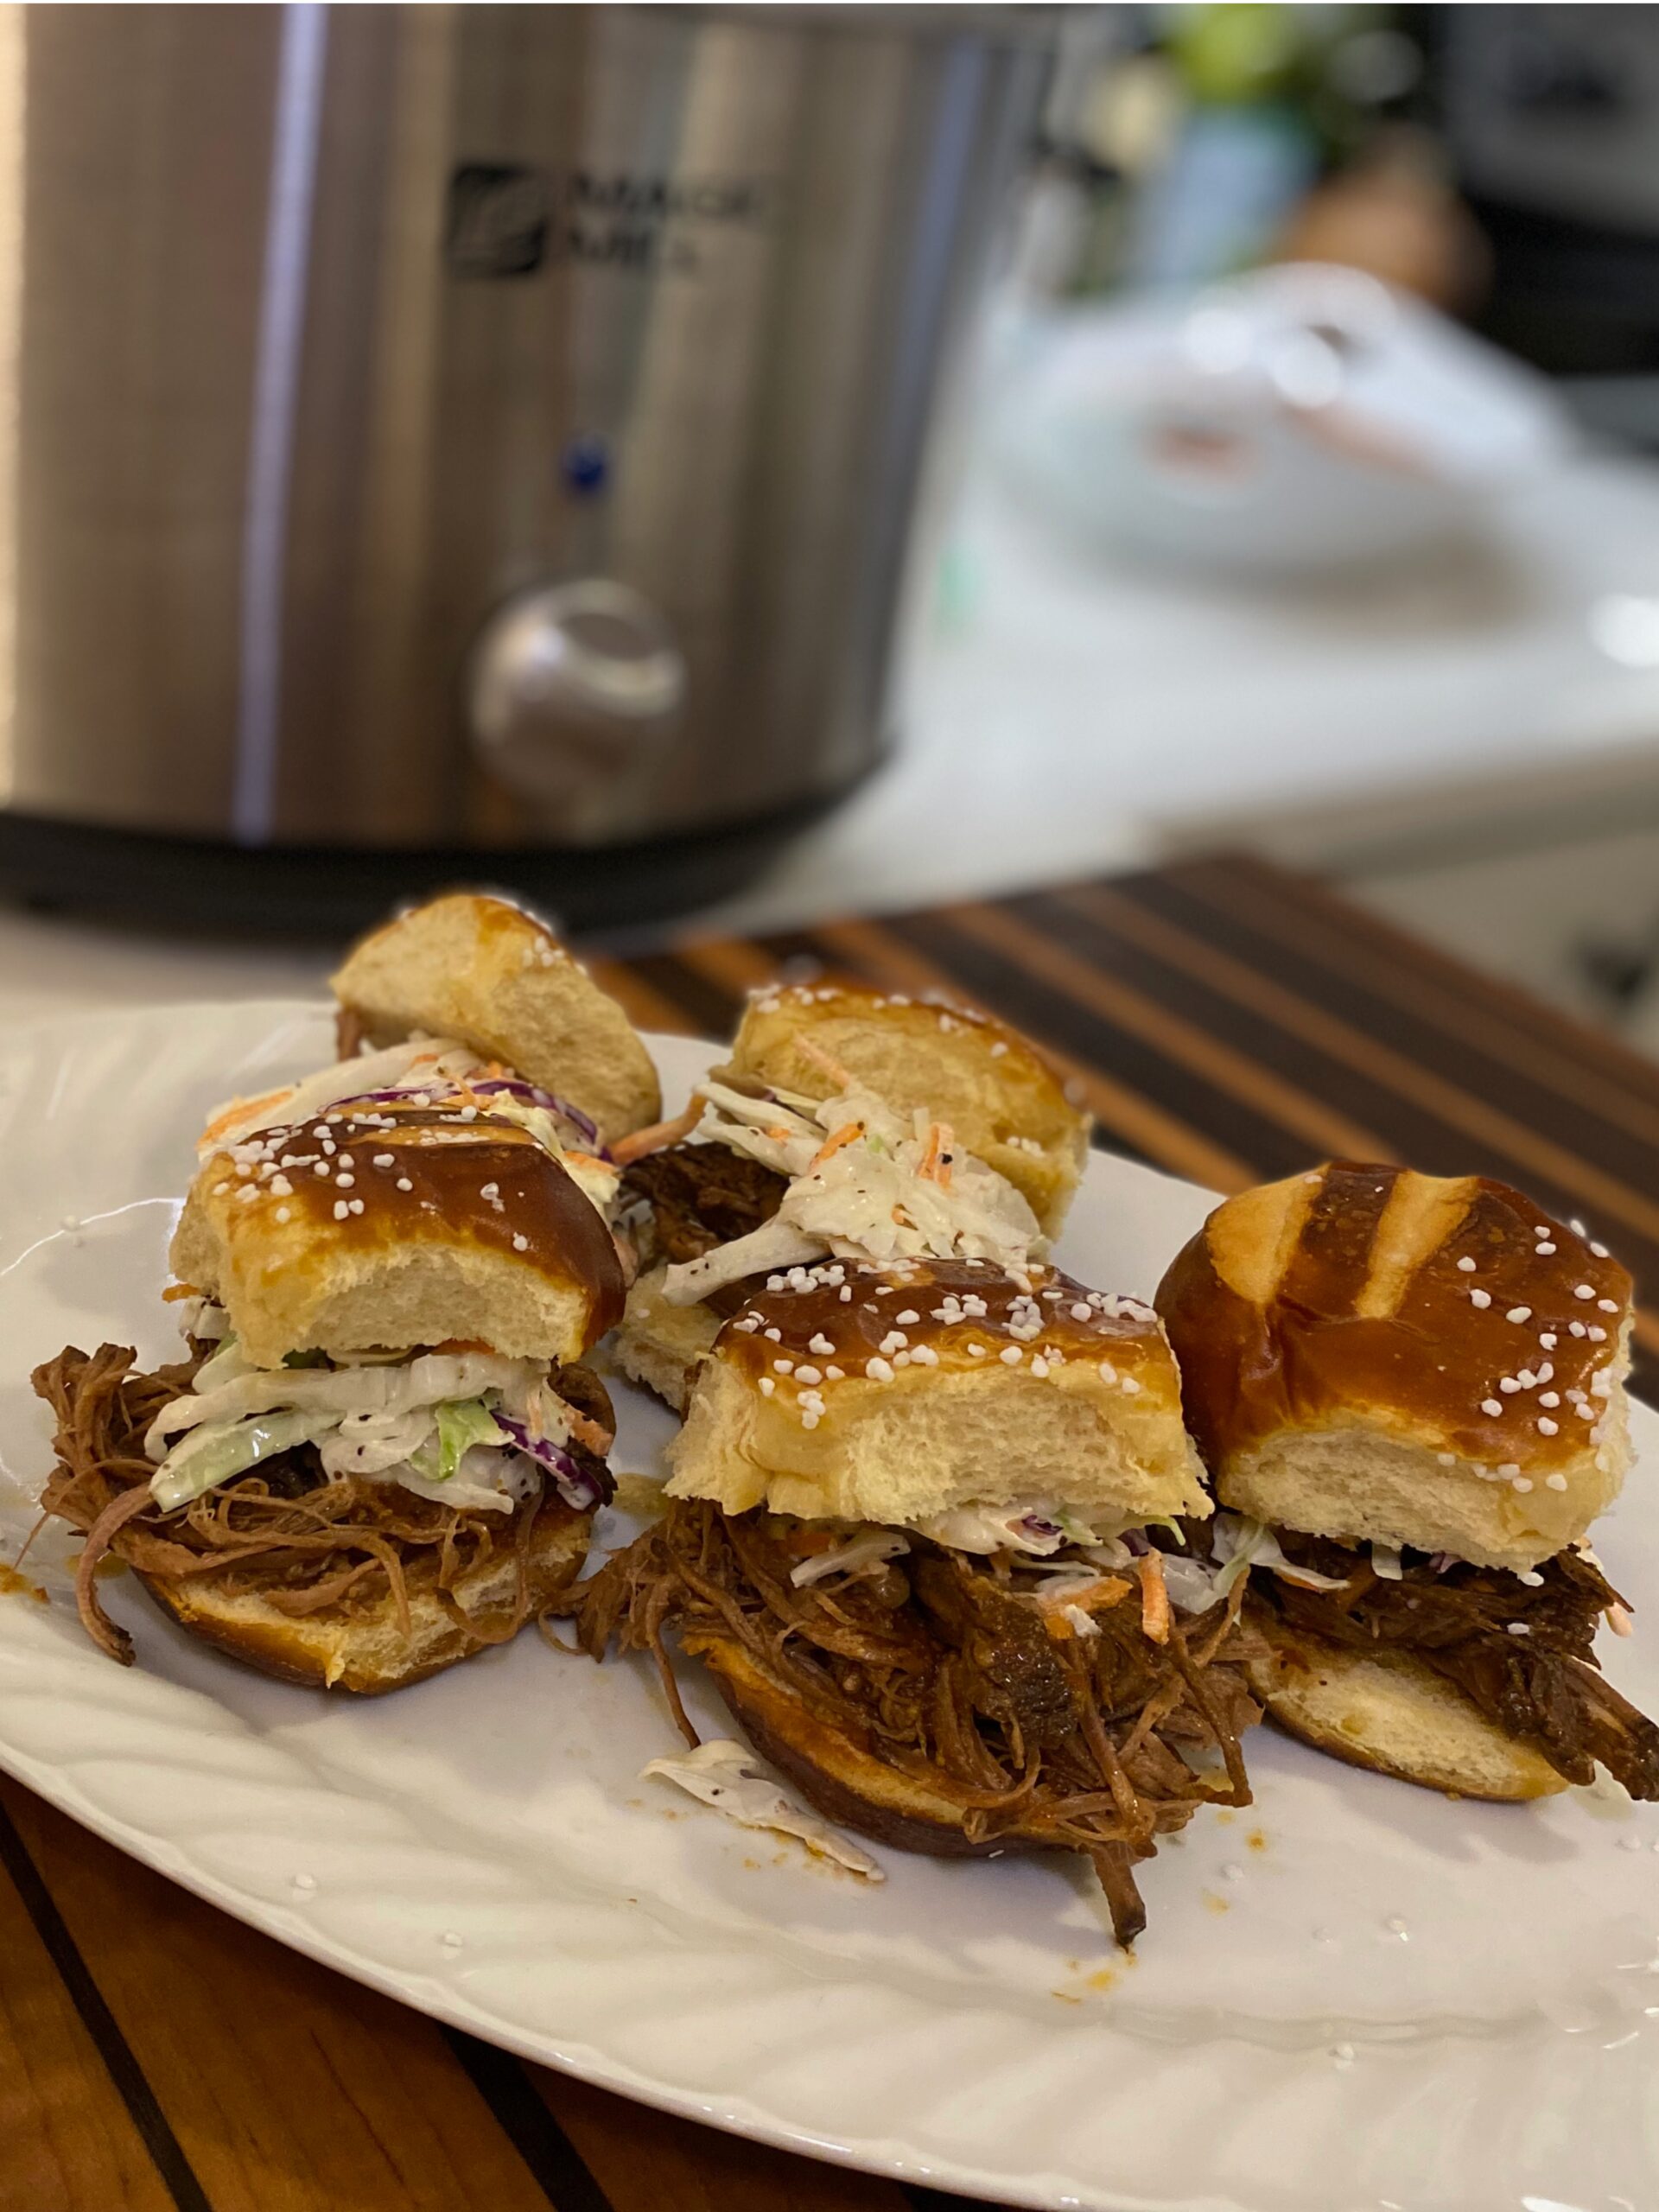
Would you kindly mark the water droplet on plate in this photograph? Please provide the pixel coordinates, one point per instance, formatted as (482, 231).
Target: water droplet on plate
(1395, 1926)
(305, 1881)
(1343, 2053)
(451, 1941)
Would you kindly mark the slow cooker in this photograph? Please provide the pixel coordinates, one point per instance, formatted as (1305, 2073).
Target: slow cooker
(467, 442)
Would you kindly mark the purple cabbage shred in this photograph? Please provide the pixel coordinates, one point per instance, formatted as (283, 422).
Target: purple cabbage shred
(579, 1487)
(530, 1091)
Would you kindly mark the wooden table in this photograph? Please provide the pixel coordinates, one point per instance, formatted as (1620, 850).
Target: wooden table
(1228, 1022)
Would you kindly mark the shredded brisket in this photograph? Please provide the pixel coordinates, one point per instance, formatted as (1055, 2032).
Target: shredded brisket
(702, 1194)
(303, 1542)
(941, 1665)
(1523, 1653)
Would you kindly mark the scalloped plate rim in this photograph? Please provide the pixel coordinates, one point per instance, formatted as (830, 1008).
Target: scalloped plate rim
(890, 2155)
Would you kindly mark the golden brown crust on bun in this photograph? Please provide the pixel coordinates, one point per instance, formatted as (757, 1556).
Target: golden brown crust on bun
(366, 1650)
(1370, 1354)
(935, 1385)
(1003, 1102)
(1391, 1712)
(386, 1227)
(484, 972)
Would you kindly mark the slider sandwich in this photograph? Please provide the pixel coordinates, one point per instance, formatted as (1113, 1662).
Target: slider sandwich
(381, 1452)
(922, 1529)
(845, 1124)
(1004, 1102)
(481, 974)
(1409, 1392)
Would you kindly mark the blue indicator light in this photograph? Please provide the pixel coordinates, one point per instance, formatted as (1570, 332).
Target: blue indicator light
(585, 464)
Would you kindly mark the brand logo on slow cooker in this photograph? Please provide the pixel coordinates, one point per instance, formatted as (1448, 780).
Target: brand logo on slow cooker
(509, 220)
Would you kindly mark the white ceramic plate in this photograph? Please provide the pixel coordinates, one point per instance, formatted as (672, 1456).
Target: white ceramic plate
(1355, 1995)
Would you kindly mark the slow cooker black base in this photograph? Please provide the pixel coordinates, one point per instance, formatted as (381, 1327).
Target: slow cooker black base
(332, 890)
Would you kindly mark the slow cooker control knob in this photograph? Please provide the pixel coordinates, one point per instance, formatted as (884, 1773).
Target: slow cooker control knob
(574, 691)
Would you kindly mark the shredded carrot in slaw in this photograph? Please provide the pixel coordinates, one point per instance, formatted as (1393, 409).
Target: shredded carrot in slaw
(1154, 1597)
(936, 1158)
(176, 1290)
(848, 1133)
(239, 1109)
(1096, 1596)
(598, 1439)
(657, 1136)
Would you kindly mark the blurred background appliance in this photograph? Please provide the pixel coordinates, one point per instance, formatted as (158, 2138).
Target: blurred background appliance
(1551, 121)
(436, 438)
(443, 443)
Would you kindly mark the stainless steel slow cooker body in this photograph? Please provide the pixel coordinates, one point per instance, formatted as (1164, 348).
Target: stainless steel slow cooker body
(474, 427)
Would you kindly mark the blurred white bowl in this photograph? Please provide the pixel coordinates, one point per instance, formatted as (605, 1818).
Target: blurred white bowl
(1298, 417)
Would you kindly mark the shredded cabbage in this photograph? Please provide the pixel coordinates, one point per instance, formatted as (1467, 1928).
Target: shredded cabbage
(485, 1480)
(212, 1456)
(436, 1060)
(457, 1425)
(775, 1246)
(1194, 1585)
(426, 1380)
(227, 1364)
(1038, 1527)
(1019, 1528)
(1238, 1544)
(201, 1318)
(369, 1444)
(598, 1180)
(1190, 1584)
(864, 1183)
(724, 1775)
(434, 1423)
(873, 1547)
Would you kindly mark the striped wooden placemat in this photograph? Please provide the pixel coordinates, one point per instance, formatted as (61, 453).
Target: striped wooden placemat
(1230, 1022)
(1226, 1022)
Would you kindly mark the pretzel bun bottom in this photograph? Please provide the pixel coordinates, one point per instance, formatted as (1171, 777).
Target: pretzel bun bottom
(1392, 1713)
(366, 1650)
(838, 1779)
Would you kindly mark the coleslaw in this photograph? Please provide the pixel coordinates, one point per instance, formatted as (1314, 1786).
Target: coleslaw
(864, 1182)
